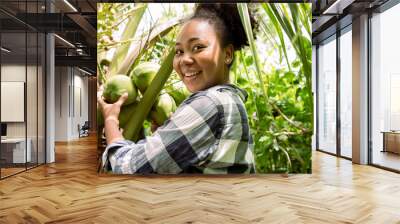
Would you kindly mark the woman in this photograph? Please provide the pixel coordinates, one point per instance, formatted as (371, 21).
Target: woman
(209, 132)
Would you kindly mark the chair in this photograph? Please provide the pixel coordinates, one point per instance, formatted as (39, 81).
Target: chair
(84, 130)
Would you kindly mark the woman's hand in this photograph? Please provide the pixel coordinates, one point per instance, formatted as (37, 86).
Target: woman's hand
(110, 115)
(110, 111)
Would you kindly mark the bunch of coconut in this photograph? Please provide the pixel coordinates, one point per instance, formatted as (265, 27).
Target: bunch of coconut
(137, 81)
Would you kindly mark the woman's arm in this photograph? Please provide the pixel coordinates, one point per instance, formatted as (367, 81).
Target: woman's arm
(111, 129)
(187, 138)
(110, 114)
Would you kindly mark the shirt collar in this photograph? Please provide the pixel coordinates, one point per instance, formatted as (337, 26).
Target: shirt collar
(242, 93)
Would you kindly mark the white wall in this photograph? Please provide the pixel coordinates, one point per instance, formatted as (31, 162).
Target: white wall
(80, 110)
(71, 102)
(61, 103)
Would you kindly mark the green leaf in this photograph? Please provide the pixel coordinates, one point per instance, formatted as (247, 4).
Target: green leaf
(244, 15)
(134, 125)
(128, 33)
(138, 47)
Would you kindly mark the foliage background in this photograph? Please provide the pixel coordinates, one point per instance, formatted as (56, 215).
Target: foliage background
(275, 70)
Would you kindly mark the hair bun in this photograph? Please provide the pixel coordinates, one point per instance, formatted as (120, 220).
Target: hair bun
(229, 15)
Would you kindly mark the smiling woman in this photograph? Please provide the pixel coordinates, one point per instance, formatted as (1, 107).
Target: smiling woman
(209, 132)
(206, 44)
(200, 60)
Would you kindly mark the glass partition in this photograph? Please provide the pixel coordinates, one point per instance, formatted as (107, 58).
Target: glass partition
(346, 93)
(327, 96)
(385, 89)
(31, 98)
(13, 87)
(22, 89)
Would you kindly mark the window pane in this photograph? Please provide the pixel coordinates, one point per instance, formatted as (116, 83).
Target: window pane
(385, 88)
(14, 148)
(327, 97)
(345, 94)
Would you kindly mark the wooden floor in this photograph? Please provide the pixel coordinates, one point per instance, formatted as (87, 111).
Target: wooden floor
(70, 191)
(10, 171)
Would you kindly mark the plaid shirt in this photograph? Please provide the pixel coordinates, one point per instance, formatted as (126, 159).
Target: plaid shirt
(208, 133)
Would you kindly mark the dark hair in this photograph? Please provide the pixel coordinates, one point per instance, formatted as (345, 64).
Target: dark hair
(226, 20)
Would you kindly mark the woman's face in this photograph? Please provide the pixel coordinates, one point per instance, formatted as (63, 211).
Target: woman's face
(199, 59)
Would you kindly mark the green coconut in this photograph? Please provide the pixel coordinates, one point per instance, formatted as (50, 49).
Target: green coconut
(162, 109)
(117, 85)
(143, 74)
(179, 92)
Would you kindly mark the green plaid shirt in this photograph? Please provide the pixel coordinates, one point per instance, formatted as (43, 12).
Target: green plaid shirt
(208, 133)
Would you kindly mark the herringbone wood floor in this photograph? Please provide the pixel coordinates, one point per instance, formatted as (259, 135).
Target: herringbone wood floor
(70, 191)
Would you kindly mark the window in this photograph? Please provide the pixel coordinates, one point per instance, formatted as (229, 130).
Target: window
(346, 92)
(327, 96)
(385, 88)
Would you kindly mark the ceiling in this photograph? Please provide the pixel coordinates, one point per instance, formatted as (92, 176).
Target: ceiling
(332, 15)
(72, 20)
